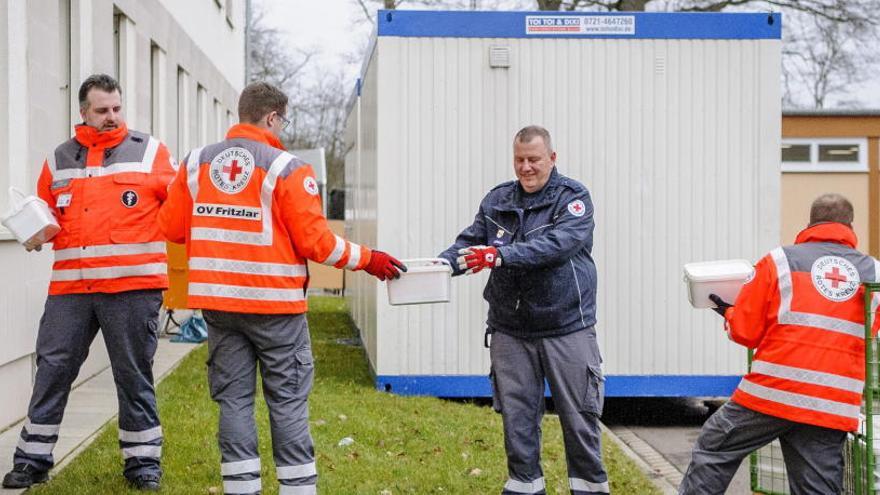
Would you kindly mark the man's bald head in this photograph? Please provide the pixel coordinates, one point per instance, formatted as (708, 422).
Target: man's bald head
(831, 208)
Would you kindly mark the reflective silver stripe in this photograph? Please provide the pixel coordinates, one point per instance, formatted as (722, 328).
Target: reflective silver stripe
(153, 451)
(267, 192)
(157, 247)
(240, 467)
(808, 376)
(53, 168)
(523, 487)
(109, 272)
(238, 486)
(336, 254)
(354, 256)
(788, 317)
(293, 472)
(121, 168)
(192, 173)
(580, 296)
(247, 267)
(297, 490)
(799, 400)
(35, 448)
(69, 173)
(42, 430)
(588, 486)
(140, 436)
(239, 292)
(150, 153)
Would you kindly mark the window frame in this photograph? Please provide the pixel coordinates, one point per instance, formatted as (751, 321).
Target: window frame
(814, 165)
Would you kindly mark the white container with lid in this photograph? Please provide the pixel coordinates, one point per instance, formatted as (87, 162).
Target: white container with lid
(30, 219)
(426, 280)
(724, 278)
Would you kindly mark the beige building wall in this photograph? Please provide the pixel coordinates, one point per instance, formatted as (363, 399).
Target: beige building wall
(800, 189)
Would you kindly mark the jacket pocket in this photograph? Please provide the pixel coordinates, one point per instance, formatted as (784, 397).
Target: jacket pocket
(130, 236)
(594, 397)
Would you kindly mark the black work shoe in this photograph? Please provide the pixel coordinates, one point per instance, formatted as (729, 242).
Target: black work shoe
(145, 483)
(23, 476)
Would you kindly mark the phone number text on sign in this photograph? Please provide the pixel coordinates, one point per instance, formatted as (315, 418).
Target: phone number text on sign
(582, 24)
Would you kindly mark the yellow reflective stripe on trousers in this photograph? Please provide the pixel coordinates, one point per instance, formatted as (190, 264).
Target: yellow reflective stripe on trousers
(799, 400)
(241, 292)
(533, 486)
(109, 272)
(811, 377)
(140, 436)
(247, 267)
(157, 247)
(240, 467)
(588, 486)
(788, 317)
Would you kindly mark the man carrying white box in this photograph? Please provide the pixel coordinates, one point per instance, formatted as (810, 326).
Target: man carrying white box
(536, 235)
(803, 312)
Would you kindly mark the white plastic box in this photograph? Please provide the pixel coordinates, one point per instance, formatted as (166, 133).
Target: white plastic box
(425, 281)
(724, 278)
(30, 220)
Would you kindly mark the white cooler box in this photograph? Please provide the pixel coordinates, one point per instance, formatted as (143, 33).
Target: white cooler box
(30, 219)
(426, 281)
(724, 278)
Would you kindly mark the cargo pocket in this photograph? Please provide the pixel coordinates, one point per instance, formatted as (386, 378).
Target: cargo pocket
(496, 400)
(305, 372)
(594, 400)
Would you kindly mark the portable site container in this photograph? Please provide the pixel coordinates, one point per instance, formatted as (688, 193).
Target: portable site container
(671, 120)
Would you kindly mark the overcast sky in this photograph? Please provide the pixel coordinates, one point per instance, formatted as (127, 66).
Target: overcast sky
(337, 29)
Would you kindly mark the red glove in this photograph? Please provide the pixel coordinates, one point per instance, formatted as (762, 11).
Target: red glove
(384, 266)
(475, 258)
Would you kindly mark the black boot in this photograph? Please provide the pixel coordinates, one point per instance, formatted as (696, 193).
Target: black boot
(146, 483)
(23, 476)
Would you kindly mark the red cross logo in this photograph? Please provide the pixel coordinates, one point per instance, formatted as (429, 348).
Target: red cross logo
(577, 207)
(835, 277)
(233, 170)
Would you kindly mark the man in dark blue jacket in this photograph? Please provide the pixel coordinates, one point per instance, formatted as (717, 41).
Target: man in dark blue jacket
(536, 235)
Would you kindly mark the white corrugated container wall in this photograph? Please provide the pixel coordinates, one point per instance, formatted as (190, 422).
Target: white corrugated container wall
(675, 134)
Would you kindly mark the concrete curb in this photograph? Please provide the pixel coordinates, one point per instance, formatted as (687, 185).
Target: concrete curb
(662, 474)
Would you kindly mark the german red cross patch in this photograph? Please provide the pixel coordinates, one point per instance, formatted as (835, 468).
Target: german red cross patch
(835, 278)
(311, 185)
(577, 208)
(232, 169)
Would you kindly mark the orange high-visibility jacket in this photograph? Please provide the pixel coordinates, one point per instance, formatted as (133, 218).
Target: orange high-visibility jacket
(804, 311)
(105, 189)
(250, 215)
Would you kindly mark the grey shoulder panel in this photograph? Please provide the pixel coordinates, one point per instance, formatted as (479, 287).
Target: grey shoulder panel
(131, 149)
(69, 154)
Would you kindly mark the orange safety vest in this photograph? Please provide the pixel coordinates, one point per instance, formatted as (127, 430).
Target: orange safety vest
(250, 215)
(105, 189)
(804, 311)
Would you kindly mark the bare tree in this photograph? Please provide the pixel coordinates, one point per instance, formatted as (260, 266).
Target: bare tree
(270, 60)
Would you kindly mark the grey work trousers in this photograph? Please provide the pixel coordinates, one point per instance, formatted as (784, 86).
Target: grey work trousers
(237, 342)
(813, 455)
(128, 321)
(571, 365)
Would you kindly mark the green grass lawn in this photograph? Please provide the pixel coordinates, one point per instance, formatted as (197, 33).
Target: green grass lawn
(401, 444)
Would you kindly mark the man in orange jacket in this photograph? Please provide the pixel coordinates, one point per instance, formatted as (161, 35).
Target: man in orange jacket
(105, 186)
(250, 215)
(803, 312)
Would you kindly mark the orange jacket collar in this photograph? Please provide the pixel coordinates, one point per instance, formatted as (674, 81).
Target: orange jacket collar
(254, 133)
(90, 137)
(828, 232)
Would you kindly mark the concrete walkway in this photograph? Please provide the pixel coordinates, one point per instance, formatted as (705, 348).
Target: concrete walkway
(90, 407)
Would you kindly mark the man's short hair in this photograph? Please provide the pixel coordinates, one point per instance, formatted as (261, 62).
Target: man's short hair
(526, 134)
(831, 207)
(259, 99)
(97, 81)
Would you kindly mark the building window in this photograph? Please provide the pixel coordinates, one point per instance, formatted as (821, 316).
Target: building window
(202, 115)
(183, 143)
(124, 54)
(230, 119)
(157, 91)
(219, 120)
(825, 155)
